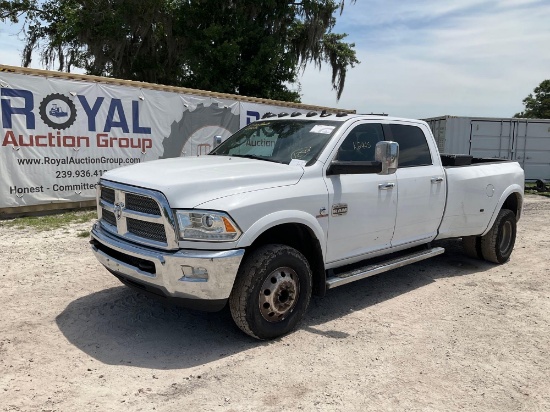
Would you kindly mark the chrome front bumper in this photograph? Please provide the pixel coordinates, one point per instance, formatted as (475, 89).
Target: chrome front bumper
(200, 279)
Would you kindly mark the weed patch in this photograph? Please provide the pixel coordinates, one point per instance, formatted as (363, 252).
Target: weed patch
(50, 222)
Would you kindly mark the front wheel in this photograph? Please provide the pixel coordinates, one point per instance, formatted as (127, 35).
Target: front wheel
(272, 291)
(498, 243)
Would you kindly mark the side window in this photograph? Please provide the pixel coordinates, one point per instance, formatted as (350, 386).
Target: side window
(360, 143)
(413, 147)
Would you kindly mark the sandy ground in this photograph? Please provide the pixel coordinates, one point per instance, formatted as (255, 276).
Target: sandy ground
(451, 333)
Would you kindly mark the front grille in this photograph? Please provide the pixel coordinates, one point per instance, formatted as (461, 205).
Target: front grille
(142, 204)
(138, 215)
(149, 230)
(109, 217)
(108, 195)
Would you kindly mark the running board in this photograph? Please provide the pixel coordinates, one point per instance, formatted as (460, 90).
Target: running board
(375, 269)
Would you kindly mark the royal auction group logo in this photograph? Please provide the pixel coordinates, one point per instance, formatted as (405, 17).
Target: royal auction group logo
(57, 111)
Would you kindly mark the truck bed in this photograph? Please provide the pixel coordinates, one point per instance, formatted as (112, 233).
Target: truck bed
(458, 160)
(473, 194)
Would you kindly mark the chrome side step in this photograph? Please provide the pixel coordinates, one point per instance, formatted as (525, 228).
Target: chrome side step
(375, 269)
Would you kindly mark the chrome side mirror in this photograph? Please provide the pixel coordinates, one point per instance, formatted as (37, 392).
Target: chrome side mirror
(217, 140)
(387, 153)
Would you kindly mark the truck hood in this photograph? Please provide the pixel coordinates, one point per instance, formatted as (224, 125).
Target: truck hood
(187, 182)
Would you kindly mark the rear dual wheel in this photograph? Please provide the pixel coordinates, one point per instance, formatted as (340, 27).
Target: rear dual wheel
(472, 246)
(498, 243)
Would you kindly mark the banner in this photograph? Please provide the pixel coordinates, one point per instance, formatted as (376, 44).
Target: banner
(59, 136)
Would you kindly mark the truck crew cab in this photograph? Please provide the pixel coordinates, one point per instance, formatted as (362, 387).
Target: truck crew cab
(298, 204)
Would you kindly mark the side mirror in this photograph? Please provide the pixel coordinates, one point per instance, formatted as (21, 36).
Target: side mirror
(387, 153)
(217, 140)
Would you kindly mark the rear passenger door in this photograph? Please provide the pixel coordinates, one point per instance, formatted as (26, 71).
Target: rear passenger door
(421, 185)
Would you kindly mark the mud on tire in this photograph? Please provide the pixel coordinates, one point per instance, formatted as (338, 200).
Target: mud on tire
(272, 291)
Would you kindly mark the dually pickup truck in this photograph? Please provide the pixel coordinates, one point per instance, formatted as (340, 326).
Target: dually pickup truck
(295, 205)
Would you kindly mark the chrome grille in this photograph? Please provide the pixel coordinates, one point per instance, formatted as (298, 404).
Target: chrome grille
(109, 217)
(108, 194)
(147, 230)
(142, 204)
(136, 214)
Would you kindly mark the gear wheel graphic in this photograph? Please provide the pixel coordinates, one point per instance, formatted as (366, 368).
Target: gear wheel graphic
(44, 114)
(191, 121)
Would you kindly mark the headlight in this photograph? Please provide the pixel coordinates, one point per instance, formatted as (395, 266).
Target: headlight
(207, 226)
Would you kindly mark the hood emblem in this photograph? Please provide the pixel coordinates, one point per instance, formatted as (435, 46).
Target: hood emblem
(118, 210)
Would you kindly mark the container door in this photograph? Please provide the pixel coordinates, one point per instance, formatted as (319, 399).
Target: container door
(532, 148)
(492, 138)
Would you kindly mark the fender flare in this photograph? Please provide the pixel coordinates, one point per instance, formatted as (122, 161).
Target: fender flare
(515, 188)
(280, 218)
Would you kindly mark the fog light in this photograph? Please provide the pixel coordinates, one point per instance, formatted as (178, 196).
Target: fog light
(191, 273)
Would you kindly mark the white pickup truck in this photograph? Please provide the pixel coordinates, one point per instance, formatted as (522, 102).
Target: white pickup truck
(298, 204)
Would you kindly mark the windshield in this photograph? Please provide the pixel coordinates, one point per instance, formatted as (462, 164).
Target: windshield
(279, 141)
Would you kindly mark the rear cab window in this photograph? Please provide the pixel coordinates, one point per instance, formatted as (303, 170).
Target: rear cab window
(413, 146)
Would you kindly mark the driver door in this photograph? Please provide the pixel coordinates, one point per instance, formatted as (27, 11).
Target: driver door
(362, 207)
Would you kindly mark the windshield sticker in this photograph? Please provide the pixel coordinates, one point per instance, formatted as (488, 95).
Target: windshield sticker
(319, 128)
(300, 153)
(297, 162)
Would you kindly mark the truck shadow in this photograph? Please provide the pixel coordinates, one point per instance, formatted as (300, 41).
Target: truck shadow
(119, 326)
(371, 291)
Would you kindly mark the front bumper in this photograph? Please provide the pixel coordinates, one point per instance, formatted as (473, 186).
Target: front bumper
(170, 274)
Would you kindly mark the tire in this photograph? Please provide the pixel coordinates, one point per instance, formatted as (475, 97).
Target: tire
(272, 291)
(498, 243)
(472, 246)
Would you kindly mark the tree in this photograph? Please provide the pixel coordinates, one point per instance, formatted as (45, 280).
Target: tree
(248, 47)
(537, 106)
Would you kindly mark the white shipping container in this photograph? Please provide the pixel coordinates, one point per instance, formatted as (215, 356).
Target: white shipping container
(526, 141)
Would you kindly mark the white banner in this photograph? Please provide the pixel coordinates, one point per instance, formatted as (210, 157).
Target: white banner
(59, 136)
(250, 112)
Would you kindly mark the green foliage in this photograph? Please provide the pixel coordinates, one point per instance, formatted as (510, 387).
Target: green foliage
(50, 222)
(537, 106)
(244, 47)
(531, 188)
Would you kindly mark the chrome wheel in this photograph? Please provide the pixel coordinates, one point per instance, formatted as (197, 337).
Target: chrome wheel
(271, 292)
(505, 240)
(279, 294)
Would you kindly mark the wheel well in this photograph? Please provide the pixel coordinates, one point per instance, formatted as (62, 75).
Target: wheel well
(301, 238)
(513, 203)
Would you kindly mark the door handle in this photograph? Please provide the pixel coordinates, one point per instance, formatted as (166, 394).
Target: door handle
(386, 186)
(436, 180)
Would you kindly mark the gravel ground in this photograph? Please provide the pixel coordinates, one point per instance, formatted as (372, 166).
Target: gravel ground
(451, 333)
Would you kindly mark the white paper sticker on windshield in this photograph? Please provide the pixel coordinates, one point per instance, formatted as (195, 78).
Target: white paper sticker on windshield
(297, 162)
(319, 128)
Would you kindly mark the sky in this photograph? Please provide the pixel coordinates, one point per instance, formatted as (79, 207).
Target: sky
(424, 58)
